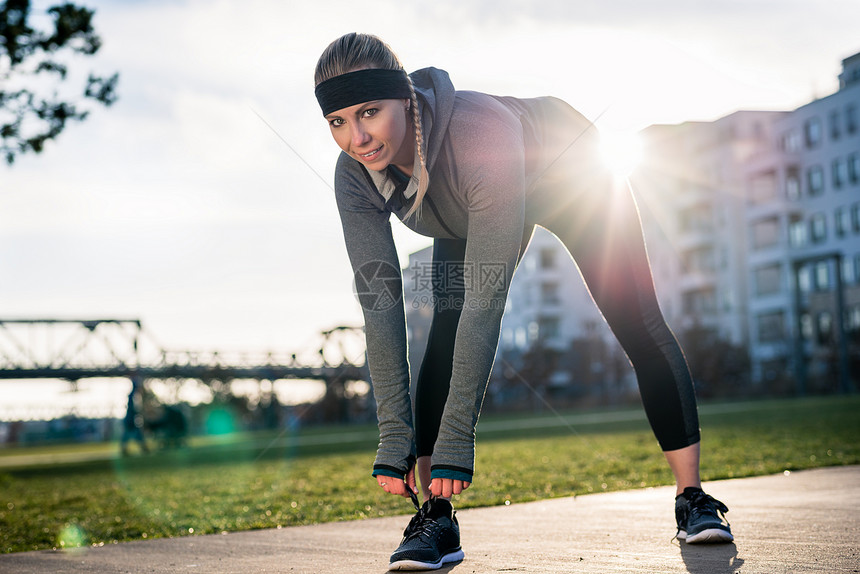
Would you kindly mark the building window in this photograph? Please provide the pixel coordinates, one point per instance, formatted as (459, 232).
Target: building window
(765, 233)
(791, 141)
(824, 328)
(821, 276)
(849, 270)
(771, 327)
(763, 188)
(812, 132)
(852, 319)
(701, 260)
(851, 119)
(834, 125)
(815, 180)
(520, 338)
(840, 172)
(549, 293)
(855, 217)
(804, 279)
(806, 329)
(843, 221)
(818, 228)
(699, 302)
(547, 258)
(548, 327)
(768, 280)
(797, 235)
(792, 183)
(696, 218)
(854, 167)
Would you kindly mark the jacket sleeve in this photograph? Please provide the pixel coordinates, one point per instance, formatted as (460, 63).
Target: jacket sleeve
(379, 288)
(490, 160)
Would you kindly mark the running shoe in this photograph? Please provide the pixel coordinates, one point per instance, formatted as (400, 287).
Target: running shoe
(431, 539)
(701, 518)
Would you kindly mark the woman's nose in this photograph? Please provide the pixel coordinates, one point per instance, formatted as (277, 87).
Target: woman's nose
(359, 135)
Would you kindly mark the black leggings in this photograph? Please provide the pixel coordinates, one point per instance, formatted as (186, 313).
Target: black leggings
(603, 233)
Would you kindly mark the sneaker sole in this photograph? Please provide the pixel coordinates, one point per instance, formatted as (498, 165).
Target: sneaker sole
(455, 556)
(709, 536)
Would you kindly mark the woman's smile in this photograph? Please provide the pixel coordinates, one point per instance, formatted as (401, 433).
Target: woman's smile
(372, 154)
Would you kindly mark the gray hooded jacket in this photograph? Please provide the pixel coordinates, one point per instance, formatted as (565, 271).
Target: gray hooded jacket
(485, 155)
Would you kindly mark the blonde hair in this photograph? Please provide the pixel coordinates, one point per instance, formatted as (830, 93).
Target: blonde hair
(356, 51)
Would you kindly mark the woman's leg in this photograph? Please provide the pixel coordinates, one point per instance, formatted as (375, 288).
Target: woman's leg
(434, 377)
(599, 224)
(684, 463)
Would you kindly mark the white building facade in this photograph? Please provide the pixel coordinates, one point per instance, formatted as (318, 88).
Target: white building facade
(805, 297)
(755, 217)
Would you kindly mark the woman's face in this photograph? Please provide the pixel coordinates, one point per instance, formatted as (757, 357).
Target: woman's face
(377, 133)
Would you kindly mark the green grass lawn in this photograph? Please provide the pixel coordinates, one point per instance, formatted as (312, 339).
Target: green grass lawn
(267, 481)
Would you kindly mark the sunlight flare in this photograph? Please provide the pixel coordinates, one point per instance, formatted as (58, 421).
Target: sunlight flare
(621, 151)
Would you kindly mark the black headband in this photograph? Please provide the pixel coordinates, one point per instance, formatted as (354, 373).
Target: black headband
(362, 86)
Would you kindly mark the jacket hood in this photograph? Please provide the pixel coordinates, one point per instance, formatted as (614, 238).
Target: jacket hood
(436, 99)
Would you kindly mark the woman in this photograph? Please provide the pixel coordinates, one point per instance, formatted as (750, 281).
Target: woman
(477, 172)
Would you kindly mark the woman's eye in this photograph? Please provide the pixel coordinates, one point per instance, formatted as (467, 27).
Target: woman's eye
(335, 122)
(370, 112)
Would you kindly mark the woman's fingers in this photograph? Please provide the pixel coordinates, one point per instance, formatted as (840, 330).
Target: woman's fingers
(447, 487)
(444, 487)
(393, 485)
(410, 481)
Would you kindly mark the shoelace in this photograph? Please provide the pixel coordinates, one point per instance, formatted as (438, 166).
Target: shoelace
(703, 503)
(414, 498)
(416, 521)
(415, 524)
(421, 523)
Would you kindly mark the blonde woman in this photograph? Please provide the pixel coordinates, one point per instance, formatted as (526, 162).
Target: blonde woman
(477, 173)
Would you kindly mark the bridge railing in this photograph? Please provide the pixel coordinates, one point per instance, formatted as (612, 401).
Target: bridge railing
(74, 349)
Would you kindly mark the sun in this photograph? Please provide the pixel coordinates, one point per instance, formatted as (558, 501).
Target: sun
(621, 151)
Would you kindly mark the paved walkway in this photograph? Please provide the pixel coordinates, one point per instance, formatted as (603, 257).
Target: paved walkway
(806, 521)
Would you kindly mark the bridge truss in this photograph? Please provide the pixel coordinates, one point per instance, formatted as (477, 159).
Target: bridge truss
(77, 349)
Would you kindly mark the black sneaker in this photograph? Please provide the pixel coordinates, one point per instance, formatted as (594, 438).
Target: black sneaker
(431, 539)
(701, 517)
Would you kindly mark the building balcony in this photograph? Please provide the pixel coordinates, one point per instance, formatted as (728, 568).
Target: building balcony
(695, 238)
(697, 281)
(778, 206)
(694, 196)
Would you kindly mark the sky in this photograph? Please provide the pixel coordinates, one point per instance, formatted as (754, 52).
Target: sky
(200, 202)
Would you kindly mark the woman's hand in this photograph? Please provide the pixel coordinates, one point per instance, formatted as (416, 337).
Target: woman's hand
(399, 486)
(446, 487)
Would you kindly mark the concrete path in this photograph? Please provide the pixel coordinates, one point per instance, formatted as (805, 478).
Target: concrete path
(806, 521)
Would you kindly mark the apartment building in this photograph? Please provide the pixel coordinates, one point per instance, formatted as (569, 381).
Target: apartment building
(804, 269)
(692, 193)
(755, 221)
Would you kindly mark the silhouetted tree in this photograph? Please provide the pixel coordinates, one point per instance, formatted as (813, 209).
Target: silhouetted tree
(539, 362)
(33, 65)
(719, 368)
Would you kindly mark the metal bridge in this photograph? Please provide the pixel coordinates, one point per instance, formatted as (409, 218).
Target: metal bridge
(75, 349)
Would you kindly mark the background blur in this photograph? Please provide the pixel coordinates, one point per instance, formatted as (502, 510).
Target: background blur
(181, 207)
